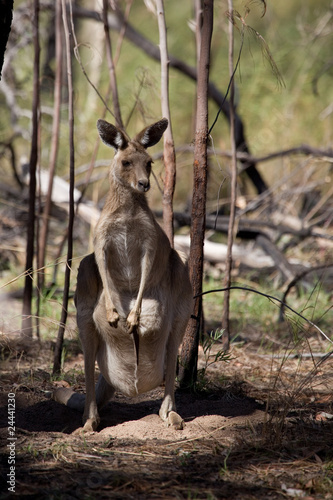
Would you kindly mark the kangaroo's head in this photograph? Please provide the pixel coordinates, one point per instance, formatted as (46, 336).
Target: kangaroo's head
(132, 164)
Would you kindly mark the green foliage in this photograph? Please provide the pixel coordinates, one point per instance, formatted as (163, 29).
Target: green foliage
(224, 469)
(208, 343)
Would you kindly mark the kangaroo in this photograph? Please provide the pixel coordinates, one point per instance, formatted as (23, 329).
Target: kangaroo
(133, 295)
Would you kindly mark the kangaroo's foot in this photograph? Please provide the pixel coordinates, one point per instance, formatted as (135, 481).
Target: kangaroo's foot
(175, 421)
(91, 424)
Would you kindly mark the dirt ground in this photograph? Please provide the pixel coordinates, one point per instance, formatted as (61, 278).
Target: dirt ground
(258, 427)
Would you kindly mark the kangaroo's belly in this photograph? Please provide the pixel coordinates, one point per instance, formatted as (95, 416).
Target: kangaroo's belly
(129, 370)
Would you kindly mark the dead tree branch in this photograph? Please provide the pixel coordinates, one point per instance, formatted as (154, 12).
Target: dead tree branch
(252, 228)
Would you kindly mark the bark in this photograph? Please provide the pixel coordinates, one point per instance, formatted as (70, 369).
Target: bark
(61, 331)
(189, 354)
(27, 326)
(169, 146)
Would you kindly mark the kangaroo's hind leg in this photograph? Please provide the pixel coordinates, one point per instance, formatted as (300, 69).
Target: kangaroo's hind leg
(168, 407)
(88, 296)
(182, 309)
(102, 395)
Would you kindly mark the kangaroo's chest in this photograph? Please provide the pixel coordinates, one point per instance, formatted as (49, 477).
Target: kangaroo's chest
(125, 247)
(125, 243)
(126, 234)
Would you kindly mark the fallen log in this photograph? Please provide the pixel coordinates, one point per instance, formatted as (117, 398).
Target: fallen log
(216, 253)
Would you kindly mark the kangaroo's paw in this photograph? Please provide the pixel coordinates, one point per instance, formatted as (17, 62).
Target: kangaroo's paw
(112, 316)
(132, 320)
(175, 421)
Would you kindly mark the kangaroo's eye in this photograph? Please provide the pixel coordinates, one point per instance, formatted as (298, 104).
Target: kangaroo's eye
(149, 165)
(125, 163)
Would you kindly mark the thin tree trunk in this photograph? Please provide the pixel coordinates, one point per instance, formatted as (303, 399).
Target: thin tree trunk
(189, 354)
(112, 73)
(54, 141)
(40, 271)
(231, 228)
(27, 326)
(169, 146)
(61, 331)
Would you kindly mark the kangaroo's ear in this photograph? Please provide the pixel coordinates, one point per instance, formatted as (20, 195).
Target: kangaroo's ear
(152, 134)
(111, 135)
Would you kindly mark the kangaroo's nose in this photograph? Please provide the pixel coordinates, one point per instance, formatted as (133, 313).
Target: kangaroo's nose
(143, 185)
